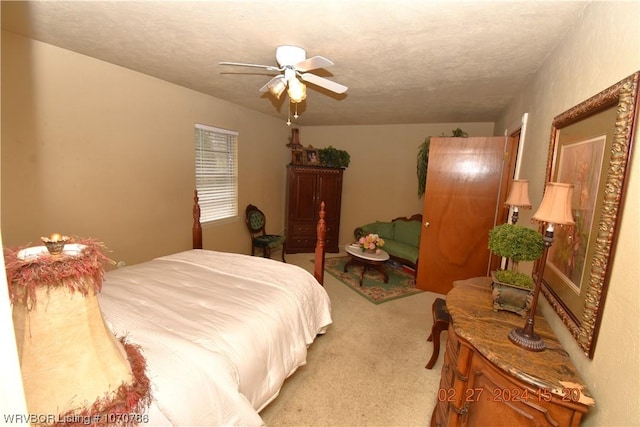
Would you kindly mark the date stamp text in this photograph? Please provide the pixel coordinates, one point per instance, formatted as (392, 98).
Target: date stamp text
(565, 394)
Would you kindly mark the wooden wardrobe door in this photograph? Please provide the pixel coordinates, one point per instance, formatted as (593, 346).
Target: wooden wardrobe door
(330, 191)
(462, 193)
(303, 188)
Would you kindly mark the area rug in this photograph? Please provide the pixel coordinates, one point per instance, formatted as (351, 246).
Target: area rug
(401, 283)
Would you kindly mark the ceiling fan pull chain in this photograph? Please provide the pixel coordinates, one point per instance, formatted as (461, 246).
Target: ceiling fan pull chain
(289, 114)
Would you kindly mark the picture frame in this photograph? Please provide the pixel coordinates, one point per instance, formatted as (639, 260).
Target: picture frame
(297, 157)
(311, 156)
(590, 147)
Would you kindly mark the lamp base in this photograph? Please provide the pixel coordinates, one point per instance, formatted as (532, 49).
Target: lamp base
(531, 342)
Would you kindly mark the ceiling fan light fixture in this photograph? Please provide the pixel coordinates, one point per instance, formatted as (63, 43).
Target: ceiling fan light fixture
(295, 66)
(297, 90)
(277, 87)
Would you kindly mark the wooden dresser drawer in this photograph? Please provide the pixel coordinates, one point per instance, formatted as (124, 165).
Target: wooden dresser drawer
(308, 230)
(453, 344)
(487, 380)
(303, 229)
(302, 237)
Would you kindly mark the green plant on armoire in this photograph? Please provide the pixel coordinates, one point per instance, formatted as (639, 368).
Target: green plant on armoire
(423, 159)
(334, 157)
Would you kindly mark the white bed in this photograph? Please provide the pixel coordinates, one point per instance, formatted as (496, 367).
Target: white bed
(220, 332)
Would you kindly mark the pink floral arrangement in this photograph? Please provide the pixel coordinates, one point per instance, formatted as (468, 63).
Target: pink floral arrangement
(371, 242)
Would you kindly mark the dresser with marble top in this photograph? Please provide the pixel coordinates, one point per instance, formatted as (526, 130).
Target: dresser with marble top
(486, 380)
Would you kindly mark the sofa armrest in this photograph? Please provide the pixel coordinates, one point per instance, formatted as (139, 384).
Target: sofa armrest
(363, 230)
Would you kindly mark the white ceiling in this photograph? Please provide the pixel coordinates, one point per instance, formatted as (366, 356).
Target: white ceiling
(404, 61)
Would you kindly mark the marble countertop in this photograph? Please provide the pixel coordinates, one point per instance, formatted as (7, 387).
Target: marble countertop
(470, 306)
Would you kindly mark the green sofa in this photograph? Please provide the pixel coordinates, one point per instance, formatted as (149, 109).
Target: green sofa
(401, 237)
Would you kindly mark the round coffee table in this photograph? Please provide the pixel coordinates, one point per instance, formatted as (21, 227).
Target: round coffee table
(367, 260)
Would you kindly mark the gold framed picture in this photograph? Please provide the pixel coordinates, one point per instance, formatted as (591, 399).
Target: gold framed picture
(590, 148)
(311, 156)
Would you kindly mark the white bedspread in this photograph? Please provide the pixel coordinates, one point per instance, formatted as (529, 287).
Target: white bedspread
(220, 331)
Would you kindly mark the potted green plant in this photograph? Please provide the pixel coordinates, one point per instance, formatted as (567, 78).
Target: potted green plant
(423, 159)
(333, 157)
(513, 290)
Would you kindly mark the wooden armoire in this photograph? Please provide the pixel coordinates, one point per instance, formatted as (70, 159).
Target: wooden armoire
(307, 187)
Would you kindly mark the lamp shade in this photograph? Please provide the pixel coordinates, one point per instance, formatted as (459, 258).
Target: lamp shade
(519, 194)
(297, 91)
(555, 207)
(277, 86)
(70, 361)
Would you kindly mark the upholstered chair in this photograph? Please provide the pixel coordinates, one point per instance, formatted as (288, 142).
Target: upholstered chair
(256, 223)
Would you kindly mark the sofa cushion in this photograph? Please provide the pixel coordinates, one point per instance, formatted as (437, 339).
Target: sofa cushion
(385, 229)
(382, 229)
(401, 250)
(408, 232)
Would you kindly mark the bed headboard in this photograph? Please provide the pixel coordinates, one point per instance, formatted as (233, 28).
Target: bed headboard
(321, 231)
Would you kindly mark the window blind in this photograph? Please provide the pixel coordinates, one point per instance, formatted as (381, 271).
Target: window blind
(216, 172)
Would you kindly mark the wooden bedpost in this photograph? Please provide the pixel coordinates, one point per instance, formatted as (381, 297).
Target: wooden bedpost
(197, 228)
(321, 229)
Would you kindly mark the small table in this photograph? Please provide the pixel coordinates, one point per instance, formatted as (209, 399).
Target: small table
(367, 260)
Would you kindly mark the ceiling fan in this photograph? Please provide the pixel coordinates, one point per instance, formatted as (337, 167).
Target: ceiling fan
(293, 63)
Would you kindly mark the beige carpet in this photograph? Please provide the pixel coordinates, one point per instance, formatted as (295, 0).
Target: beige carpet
(368, 369)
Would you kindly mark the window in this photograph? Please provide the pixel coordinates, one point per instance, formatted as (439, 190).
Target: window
(216, 172)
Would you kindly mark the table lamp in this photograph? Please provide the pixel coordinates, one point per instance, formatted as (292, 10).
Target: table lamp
(555, 209)
(518, 197)
(74, 370)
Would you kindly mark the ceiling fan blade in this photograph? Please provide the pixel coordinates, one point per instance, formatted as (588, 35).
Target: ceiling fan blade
(313, 63)
(265, 88)
(325, 83)
(268, 67)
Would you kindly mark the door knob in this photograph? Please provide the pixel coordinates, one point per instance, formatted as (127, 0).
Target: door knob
(426, 223)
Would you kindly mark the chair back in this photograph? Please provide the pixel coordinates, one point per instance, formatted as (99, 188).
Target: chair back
(255, 220)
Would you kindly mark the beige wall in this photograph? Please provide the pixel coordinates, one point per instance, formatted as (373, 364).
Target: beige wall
(380, 182)
(95, 150)
(602, 50)
(11, 390)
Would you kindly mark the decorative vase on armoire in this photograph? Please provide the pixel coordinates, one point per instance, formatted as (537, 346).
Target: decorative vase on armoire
(307, 187)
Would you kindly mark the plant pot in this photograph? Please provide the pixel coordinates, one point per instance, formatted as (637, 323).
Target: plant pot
(510, 297)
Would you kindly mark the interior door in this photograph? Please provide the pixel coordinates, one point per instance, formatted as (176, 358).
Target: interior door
(461, 198)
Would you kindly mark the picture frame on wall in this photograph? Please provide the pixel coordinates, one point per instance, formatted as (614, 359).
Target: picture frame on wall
(590, 147)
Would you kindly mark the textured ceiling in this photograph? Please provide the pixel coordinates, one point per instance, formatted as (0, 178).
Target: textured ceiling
(403, 61)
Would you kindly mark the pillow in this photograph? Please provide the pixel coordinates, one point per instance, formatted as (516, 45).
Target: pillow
(408, 232)
(385, 229)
